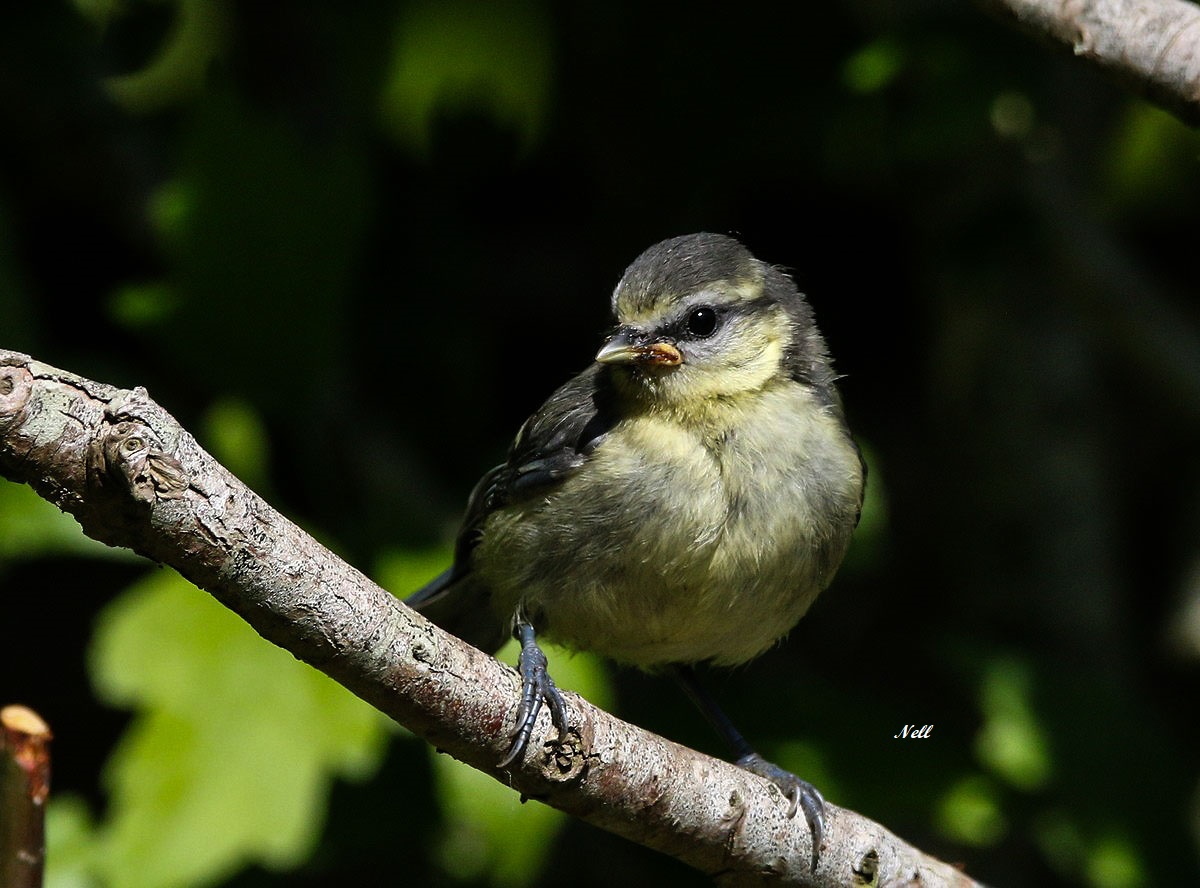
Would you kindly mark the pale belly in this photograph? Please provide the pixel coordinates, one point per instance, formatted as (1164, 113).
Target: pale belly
(692, 555)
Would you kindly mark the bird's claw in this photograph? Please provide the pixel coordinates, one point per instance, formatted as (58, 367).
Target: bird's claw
(537, 687)
(802, 795)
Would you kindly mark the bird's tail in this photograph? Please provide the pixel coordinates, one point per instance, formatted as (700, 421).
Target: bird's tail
(461, 605)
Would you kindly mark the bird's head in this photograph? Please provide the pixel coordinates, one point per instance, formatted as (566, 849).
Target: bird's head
(700, 319)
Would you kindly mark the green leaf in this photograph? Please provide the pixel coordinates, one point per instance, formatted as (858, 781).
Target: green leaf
(70, 843)
(30, 527)
(1114, 862)
(1152, 159)
(404, 571)
(1012, 742)
(970, 812)
(230, 757)
(1107, 858)
(874, 67)
(488, 834)
(170, 209)
(180, 68)
(137, 306)
(807, 760)
(492, 57)
(1061, 841)
(235, 434)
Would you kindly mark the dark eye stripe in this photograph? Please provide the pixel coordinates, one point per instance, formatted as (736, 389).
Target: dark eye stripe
(723, 310)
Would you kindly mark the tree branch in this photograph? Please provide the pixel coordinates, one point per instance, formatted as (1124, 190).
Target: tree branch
(133, 477)
(24, 785)
(1153, 46)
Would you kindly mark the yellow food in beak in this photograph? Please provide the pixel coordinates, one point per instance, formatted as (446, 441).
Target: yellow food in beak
(619, 350)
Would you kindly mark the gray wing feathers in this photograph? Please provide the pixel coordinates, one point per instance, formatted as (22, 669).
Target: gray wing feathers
(552, 444)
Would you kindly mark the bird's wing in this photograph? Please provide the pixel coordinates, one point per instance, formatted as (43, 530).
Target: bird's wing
(551, 445)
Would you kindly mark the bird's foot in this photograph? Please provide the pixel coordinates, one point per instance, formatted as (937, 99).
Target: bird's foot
(802, 795)
(537, 687)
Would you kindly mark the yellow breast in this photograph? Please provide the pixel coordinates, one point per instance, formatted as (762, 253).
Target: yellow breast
(684, 542)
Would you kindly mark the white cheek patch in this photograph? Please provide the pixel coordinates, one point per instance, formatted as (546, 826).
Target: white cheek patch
(744, 360)
(734, 377)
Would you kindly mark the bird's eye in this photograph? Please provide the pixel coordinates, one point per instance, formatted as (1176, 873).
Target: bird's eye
(702, 322)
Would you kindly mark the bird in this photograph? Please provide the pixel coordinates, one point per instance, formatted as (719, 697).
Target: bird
(681, 501)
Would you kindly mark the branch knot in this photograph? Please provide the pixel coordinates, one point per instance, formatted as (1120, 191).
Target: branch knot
(130, 451)
(16, 385)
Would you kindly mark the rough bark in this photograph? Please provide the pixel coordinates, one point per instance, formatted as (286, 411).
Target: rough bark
(1152, 46)
(133, 477)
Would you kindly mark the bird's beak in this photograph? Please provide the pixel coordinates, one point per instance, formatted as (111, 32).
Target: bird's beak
(623, 348)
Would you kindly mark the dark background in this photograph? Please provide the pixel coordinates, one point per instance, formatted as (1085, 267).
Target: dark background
(999, 245)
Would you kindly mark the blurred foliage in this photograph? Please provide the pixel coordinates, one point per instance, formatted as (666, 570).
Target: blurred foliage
(874, 67)
(236, 436)
(180, 68)
(1011, 742)
(207, 777)
(70, 831)
(1148, 146)
(971, 812)
(30, 527)
(448, 59)
(352, 247)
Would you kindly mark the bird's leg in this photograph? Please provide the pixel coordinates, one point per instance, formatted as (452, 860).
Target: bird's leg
(536, 687)
(802, 794)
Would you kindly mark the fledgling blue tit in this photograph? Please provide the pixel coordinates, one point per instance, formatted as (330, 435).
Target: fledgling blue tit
(682, 500)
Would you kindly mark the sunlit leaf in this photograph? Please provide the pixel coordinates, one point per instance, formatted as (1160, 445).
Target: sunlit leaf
(70, 843)
(30, 527)
(402, 572)
(234, 433)
(1113, 862)
(230, 757)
